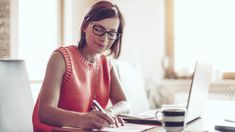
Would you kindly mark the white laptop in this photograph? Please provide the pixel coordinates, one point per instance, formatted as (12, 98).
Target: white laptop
(198, 92)
(197, 97)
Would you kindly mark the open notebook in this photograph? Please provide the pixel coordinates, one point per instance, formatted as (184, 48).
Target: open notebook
(128, 127)
(197, 98)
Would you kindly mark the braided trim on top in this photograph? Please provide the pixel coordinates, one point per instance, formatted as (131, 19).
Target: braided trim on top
(68, 69)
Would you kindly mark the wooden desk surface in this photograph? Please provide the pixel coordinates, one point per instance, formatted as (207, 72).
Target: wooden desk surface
(216, 112)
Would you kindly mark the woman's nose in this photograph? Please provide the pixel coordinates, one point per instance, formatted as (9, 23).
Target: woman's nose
(104, 37)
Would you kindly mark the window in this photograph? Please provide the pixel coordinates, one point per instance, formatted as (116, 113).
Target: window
(203, 30)
(38, 34)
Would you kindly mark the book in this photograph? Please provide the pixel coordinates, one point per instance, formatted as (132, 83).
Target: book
(126, 128)
(140, 119)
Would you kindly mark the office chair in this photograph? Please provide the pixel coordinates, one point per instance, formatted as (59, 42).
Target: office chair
(130, 76)
(16, 102)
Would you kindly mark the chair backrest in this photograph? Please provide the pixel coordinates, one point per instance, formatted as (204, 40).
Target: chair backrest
(16, 102)
(131, 79)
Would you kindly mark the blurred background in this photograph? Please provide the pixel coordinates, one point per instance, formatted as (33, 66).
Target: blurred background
(163, 37)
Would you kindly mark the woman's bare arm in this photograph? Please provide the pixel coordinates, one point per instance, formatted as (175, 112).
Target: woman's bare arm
(49, 112)
(117, 97)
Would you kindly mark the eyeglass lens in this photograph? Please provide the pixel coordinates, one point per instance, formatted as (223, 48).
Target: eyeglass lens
(100, 31)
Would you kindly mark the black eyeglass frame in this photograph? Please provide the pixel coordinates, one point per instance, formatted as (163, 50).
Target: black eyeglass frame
(109, 33)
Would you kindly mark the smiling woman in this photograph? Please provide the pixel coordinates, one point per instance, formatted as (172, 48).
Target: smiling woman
(77, 75)
(103, 34)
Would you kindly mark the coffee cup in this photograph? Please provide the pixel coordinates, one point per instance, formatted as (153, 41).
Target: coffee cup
(172, 119)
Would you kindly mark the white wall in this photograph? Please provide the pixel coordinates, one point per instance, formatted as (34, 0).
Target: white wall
(144, 35)
(144, 40)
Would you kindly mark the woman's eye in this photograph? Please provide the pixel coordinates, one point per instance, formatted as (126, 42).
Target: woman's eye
(112, 33)
(99, 29)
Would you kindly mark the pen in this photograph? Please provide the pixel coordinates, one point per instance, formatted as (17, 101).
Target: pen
(230, 120)
(97, 105)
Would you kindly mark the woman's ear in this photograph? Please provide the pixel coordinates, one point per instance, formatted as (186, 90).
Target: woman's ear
(84, 27)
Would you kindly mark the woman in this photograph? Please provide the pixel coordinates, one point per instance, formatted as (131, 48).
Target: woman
(77, 75)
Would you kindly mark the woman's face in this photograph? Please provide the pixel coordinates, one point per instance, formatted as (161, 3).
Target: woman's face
(100, 35)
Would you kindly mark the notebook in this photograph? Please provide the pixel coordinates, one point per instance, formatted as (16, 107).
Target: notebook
(196, 102)
(128, 127)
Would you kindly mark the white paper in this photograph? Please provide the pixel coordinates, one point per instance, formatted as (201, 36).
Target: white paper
(128, 127)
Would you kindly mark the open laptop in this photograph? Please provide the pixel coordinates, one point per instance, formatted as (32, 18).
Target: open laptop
(198, 92)
(197, 97)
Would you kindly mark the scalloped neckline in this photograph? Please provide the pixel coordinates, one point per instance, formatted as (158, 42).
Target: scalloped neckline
(85, 62)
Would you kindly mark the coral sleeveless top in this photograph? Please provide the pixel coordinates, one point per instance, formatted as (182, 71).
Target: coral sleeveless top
(82, 82)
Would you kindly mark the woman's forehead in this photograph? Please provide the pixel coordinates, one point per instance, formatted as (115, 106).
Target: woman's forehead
(109, 23)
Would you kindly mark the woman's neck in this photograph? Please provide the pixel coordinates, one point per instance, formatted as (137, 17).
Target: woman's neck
(87, 54)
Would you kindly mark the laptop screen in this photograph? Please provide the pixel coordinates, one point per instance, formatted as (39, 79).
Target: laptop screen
(198, 92)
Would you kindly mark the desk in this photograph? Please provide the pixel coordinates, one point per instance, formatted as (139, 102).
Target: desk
(216, 111)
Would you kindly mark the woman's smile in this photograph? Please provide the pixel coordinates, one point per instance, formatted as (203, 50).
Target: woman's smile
(101, 45)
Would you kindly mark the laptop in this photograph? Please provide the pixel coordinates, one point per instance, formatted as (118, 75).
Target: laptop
(198, 92)
(196, 102)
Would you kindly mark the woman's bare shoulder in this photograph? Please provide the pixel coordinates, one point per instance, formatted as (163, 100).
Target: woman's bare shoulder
(56, 61)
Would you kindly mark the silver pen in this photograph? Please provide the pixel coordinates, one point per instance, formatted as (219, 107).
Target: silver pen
(97, 105)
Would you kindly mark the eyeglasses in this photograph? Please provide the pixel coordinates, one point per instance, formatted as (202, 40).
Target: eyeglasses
(100, 31)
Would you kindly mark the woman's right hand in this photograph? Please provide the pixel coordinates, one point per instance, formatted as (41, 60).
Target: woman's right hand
(95, 120)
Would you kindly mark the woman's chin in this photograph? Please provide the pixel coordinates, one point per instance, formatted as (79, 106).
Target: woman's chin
(101, 50)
